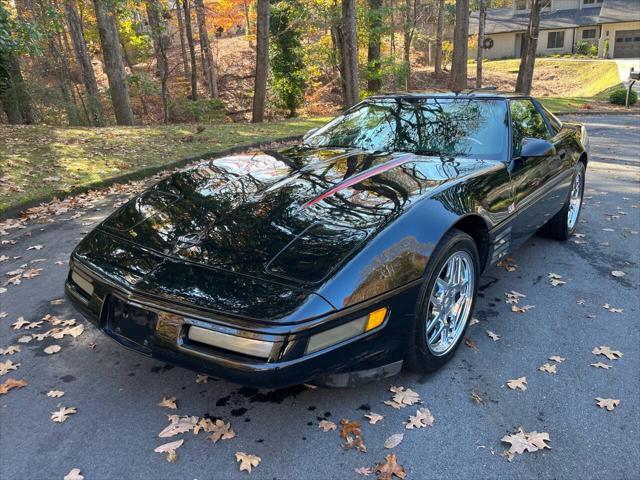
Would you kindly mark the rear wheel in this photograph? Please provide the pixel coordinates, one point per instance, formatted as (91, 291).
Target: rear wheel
(446, 302)
(563, 224)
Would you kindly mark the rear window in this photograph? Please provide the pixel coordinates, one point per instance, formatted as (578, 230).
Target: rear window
(447, 127)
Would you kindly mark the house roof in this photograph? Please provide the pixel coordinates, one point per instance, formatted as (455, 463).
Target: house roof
(502, 20)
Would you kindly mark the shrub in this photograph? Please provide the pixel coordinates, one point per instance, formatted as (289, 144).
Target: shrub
(208, 110)
(593, 50)
(619, 96)
(582, 48)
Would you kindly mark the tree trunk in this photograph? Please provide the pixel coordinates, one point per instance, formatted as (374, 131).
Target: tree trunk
(439, 35)
(192, 49)
(408, 36)
(14, 98)
(113, 63)
(350, 52)
(247, 30)
(528, 58)
(160, 45)
(208, 64)
(374, 82)
(482, 18)
(262, 60)
(336, 38)
(183, 44)
(58, 65)
(458, 80)
(85, 66)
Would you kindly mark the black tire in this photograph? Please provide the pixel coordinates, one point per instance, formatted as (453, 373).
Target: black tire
(419, 356)
(558, 226)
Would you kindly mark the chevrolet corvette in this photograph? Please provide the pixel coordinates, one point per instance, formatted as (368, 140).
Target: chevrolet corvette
(343, 258)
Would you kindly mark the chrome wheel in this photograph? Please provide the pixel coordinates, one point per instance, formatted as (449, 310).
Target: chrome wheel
(450, 303)
(575, 201)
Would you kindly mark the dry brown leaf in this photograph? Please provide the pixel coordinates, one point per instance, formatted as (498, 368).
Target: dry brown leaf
(366, 471)
(61, 415)
(204, 424)
(557, 358)
(394, 440)
(51, 349)
(555, 279)
(523, 309)
(6, 366)
(374, 417)
(178, 425)
(471, 344)
(475, 396)
(20, 323)
(351, 432)
(402, 397)
(492, 335)
(327, 425)
(607, 352)
(33, 325)
(608, 307)
(202, 378)
(548, 368)
(10, 350)
(167, 447)
(25, 339)
(507, 264)
(55, 393)
(74, 474)
(522, 441)
(608, 403)
(35, 247)
(10, 383)
(421, 419)
(473, 321)
(57, 301)
(221, 431)
(389, 468)
(520, 383)
(247, 461)
(617, 273)
(601, 365)
(168, 403)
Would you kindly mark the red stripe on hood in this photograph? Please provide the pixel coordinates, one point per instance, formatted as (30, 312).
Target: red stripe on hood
(359, 178)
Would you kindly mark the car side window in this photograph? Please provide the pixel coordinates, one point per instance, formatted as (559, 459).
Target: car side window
(556, 125)
(527, 122)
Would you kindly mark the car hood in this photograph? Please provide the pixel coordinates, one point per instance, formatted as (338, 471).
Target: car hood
(295, 214)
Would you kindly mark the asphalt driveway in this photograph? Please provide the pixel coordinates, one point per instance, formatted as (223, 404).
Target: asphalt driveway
(115, 430)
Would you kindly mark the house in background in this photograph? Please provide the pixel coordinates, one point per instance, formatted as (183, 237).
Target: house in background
(612, 25)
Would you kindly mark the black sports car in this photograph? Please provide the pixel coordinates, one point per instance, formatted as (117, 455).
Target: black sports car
(339, 259)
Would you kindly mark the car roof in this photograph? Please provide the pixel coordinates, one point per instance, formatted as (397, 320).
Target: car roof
(467, 94)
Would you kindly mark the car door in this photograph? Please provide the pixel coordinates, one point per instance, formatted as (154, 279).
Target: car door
(536, 181)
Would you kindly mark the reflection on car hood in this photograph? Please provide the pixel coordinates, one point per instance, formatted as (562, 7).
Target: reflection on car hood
(295, 213)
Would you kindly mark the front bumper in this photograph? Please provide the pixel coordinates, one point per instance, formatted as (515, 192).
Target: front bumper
(160, 330)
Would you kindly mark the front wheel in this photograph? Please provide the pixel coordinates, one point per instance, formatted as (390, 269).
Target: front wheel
(446, 302)
(563, 224)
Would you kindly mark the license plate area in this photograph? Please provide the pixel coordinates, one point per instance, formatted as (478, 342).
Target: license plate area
(132, 326)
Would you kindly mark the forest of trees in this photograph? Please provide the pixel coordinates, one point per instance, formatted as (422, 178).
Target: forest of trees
(100, 62)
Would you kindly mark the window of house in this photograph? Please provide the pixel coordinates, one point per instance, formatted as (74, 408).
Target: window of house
(591, 33)
(555, 40)
(591, 2)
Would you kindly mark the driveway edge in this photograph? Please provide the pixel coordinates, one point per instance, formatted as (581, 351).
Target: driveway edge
(598, 112)
(15, 210)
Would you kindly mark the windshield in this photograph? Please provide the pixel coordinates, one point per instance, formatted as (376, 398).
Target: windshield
(447, 127)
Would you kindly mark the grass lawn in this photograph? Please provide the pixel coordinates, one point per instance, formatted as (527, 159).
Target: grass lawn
(41, 160)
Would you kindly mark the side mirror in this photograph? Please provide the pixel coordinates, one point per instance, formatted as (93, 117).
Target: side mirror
(536, 147)
(309, 133)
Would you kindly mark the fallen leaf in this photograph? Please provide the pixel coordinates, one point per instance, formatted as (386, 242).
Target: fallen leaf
(62, 414)
(554, 279)
(492, 335)
(389, 468)
(351, 432)
(32, 325)
(247, 461)
(394, 440)
(51, 349)
(374, 417)
(5, 367)
(608, 403)
(10, 350)
(507, 264)
(473, 321)
(606, 306)
(178, 425)
(327, 425)
(202, 378)
(421, 419)
(57, 301)
(402, 397)
(172, 456)
(20, 323)
(617, 273)
(523, 309)
(471, 344)
(74, 474)
(35, 247)
(25, 339)
(557, 358)
(10, 383)
(168, 403)
(548, 368)
(167, 447)
(475, 396)
(221, 431)
(522, 441)
(607, 352)
(55, 393)
(4, 314)
(366, 471)
(520, 383)
(601, 365)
